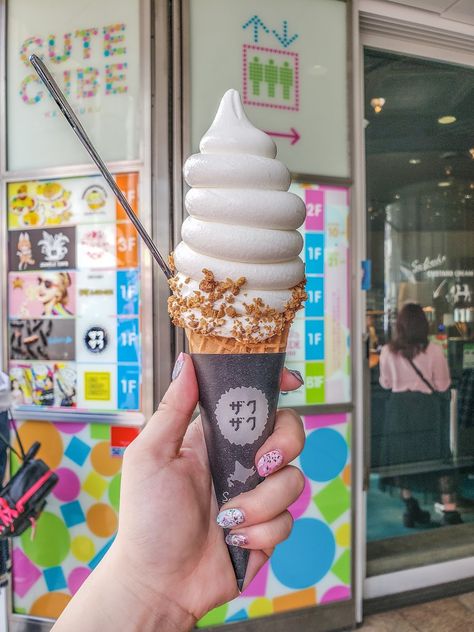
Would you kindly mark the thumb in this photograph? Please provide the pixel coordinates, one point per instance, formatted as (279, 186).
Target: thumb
(165, 431)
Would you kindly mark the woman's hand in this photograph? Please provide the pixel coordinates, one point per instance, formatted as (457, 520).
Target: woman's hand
(169, 556)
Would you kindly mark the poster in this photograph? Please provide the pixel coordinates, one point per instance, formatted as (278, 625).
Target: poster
(319, 340)
(313, 566)
(74, 295)
(288, 60)
(80, 519)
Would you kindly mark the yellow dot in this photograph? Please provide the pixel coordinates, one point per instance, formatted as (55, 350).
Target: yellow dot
(343, 535)
(260, 607)
(83, 548)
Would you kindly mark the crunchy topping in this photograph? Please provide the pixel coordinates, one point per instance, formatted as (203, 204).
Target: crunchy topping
(205, 310)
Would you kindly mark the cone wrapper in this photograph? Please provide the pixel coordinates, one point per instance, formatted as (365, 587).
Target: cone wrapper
(238, 397)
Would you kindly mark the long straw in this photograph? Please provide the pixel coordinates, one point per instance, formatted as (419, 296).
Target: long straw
(74, 122)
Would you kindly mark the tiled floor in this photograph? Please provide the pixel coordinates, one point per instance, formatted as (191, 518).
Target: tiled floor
(455, 614)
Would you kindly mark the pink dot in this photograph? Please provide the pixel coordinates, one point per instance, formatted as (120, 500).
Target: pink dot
(67, 428)
(68, 486)
(336, 593)
(299, 506)
(77, 577)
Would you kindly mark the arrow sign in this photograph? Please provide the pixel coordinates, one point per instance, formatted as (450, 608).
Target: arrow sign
(284, 40)
(257, 25)
(293, 134)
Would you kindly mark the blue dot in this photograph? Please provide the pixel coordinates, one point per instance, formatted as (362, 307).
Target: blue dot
(86, 44)
(307, 555)
(324, 455)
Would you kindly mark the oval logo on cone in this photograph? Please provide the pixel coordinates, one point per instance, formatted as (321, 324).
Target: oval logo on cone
(242, 414)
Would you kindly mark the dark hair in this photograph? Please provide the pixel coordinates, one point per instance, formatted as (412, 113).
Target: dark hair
(411, 332)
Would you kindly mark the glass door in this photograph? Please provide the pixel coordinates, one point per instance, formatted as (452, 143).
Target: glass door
(419, 141)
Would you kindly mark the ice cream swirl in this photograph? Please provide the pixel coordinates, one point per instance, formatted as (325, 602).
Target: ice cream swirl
(238, 270)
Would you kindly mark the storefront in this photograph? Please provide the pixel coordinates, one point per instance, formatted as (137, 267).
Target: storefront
(145, 79)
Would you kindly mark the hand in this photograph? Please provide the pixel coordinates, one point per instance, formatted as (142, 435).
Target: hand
(169, 550)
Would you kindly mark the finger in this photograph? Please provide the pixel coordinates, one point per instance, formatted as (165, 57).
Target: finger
(291, 380)
(265, 502)
(166, 429)
(283, 445)
(256, 560)
(264, 535)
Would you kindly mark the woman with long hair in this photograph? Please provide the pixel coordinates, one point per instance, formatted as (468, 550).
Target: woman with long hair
(417, 413)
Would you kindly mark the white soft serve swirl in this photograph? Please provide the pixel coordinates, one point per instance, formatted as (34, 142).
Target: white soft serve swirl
(242, 219)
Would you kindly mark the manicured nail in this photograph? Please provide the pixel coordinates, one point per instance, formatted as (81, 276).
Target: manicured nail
(297, 374)
(236, 539)
(230, 518)
(178, 366)
(284, 393)
(269, 462)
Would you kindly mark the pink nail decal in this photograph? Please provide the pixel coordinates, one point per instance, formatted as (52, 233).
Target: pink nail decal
(269, 462)
(230, 518)
(236, 539)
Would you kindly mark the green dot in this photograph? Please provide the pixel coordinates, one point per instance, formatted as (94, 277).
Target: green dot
(214, 617)
(114, 491)
(51, 543)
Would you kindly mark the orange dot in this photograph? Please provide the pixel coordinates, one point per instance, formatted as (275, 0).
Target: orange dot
(346, 475)
(51, 450)
(102, 520)
(50, 605)
(103, 462)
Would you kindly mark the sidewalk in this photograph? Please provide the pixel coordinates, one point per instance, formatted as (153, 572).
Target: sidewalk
(455, 614)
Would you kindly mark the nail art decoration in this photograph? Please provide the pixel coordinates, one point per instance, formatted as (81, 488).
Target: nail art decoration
(178, 366)
(236, 539)
(230, 518)
(269, 462)
(297, 374)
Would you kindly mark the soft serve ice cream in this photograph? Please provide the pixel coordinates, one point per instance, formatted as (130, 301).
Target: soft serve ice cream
(238, 270)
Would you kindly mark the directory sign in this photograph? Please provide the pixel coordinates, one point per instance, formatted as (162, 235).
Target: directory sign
(73, 294)
(319, 341)
(289, 62)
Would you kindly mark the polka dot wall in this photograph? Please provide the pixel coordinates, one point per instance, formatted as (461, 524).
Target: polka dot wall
(313, 566)
(80, 520)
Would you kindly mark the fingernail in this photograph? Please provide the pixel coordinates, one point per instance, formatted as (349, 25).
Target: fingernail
(178, 366)
(284, 393)
(269, 462)
(236, 539)
(297, 374)
(230, 518)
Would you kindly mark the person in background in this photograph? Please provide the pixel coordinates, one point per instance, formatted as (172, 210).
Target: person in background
(417, 413)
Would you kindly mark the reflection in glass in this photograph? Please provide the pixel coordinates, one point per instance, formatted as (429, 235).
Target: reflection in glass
(420, 310)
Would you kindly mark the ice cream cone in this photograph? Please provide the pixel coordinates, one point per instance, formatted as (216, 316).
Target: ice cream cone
(238, 397)
(237, 286)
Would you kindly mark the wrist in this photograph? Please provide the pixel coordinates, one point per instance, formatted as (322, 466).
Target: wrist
(153, 608)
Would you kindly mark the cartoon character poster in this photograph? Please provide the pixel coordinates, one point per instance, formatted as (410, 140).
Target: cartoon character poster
(42, 249)
(41, 294)
(44, 384)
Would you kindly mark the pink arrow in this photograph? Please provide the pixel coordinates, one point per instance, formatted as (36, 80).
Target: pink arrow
(293, 135)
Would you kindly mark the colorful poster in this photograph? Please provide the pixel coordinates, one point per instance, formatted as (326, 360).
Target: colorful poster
(313, 566)
(80, 520)
(74, 294)
(42, 294)
(319, 340)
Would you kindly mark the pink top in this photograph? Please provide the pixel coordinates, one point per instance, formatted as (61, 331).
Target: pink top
(397, 373)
